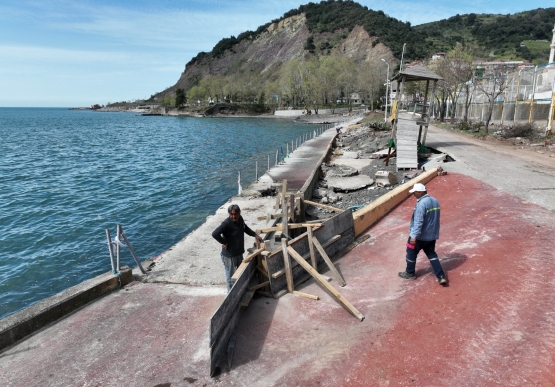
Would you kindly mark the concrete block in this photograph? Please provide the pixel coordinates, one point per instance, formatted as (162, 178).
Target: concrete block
(385, 178)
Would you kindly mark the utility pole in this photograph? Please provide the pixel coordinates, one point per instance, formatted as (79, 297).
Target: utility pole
(402, 55)
(386, 89)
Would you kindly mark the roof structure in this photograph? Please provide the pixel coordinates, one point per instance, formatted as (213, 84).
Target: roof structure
(417, 73)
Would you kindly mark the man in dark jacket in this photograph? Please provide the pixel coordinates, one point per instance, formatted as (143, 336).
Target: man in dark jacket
(230, 235)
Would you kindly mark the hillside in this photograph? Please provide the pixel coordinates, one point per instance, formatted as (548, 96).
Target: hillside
(522, 36)
(329, 28)
(314, 37)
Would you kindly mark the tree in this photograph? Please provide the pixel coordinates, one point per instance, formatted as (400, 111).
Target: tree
(371, 80)
(180, 98)
(492, 86)
(348, 78)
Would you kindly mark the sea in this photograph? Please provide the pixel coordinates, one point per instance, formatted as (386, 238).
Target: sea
(68, 175)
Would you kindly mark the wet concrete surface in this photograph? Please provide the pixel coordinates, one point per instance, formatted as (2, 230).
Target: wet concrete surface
(492, 325)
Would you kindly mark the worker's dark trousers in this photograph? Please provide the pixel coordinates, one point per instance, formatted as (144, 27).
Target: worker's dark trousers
(429, 248)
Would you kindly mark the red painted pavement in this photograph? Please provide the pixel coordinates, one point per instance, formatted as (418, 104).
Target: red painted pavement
(493, 325)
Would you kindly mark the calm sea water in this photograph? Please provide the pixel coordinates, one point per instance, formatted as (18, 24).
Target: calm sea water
(66, 176)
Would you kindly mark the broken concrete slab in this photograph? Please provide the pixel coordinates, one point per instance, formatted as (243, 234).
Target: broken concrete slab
(350, 155)
(342, 171)
(359, 164)
(351, 183)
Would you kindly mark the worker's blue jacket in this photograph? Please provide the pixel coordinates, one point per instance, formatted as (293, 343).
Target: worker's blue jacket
(424, 224)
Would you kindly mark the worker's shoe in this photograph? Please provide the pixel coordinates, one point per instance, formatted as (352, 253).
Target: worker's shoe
(441, 280)
(405, 275)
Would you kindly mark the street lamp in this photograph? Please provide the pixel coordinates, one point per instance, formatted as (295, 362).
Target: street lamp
(386, 89)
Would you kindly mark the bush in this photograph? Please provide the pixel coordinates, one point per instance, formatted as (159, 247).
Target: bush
(468, 126)
(519, 130)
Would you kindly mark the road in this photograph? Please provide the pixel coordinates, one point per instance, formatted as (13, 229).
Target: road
(525, 173)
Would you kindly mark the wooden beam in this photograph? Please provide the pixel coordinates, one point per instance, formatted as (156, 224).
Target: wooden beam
(270, 216)
(260, 285)
(305, 295)
(305, 256)
(328, 261)
(276, 207)
(338, 297)
(311, 248)
(252, 255)
(239, 271)
(279, 227)
(323, 206)
(287, 262)
(284, 217)
(292, 207)
(263, 272)
(247, 297)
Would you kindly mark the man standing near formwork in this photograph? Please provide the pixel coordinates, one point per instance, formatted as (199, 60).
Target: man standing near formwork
(423, 233)
(231, 235)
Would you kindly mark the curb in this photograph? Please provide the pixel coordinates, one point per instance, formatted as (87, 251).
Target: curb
(29, 320)
(367, 216)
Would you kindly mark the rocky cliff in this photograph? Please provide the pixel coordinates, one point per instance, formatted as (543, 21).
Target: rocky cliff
(278, 43)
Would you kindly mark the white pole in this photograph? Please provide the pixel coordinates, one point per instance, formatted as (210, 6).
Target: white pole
(268, 163)
(277, 153)
(240, 189)
(110, 249)
(387, 88)
(118, 246)
(256, 170)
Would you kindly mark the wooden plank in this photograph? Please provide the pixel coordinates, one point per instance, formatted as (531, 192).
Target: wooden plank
(323, 206)
(247, 297)
(268, 245)
(253, 254)
(260, 285)
(264, 293)
(287, 262)
(311, 248)
(270, 216)
(338, 297)
(239, 271)
(284, 217)
(305, 257)
(328, 261)
(292, 207)
(290, 226)
(276, 207)
(262, 271)
(305, 295)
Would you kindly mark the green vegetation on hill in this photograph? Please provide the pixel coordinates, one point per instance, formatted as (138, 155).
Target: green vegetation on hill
(496, 36)
(331, 16)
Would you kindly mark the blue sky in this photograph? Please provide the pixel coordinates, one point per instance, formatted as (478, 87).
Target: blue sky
(77, 53)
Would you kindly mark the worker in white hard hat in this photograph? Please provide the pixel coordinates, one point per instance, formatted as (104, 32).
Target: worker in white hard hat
(423, 233)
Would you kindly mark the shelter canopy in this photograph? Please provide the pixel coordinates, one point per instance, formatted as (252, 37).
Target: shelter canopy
(417, 73)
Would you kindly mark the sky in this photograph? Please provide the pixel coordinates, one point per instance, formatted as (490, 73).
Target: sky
(63, 53)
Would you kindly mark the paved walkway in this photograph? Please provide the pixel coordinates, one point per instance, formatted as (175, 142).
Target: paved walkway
(493, 325)
(302, 162)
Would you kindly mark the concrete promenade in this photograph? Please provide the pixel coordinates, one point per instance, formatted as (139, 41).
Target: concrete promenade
(493, 325)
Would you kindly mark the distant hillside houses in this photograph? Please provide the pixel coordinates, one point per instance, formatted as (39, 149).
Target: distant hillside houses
(438, 56)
